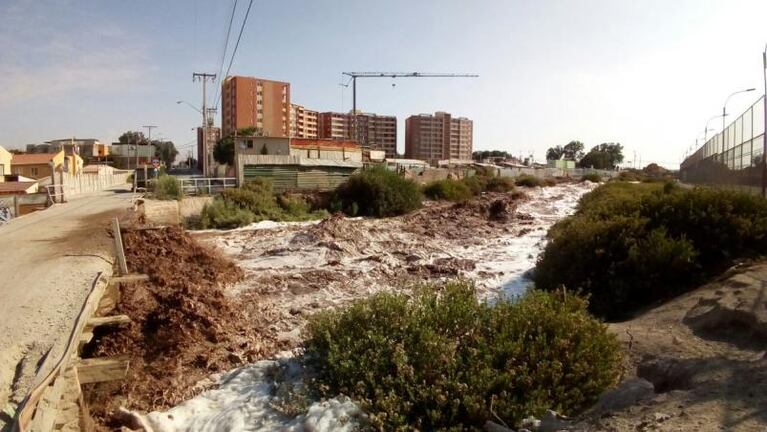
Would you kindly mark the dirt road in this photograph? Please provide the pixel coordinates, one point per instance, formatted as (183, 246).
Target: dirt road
(48, 263)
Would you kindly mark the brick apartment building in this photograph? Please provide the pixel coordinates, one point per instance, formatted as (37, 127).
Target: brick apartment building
(375, 131)
(255, 102)
(438, 137)
(304, 123)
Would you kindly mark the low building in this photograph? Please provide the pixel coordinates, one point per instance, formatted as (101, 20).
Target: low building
(88, 148)
(296, 165)
(131, 156)
(560, 163)
(39, 165)
(5, 163)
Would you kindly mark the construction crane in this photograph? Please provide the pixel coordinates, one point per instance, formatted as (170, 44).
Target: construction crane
(354, 75)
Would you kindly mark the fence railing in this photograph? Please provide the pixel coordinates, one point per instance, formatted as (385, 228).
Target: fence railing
(206, 185)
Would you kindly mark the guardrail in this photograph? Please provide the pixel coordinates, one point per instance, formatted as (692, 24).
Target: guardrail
(206, 185)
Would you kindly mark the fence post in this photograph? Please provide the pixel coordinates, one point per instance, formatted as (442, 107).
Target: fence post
(15, 206)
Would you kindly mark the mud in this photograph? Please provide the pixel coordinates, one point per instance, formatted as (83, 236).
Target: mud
(184, 326)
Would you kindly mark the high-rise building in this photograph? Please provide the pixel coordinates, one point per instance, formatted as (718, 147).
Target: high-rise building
(255, 102)
(304, 123)
(334, 125)
(375, 131)
(438, 137)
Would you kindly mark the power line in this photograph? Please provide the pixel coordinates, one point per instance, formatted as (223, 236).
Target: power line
(226, 45)
(236, 45)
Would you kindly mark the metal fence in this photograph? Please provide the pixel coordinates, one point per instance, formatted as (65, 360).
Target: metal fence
(733, 158)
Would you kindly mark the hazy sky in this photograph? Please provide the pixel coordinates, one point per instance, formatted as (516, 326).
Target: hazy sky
(644, 73)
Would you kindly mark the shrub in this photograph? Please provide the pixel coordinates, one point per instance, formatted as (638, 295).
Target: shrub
(476, 183)
(527, 180)
(377, 192)
(223, 214)
(168, 187)
(448, 189)
(441, 358)
(593, 177)
(630, 245)
(257, 200)
(500, 184)
(296, 209)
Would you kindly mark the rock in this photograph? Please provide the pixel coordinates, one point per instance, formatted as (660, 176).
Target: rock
(495, 427)
(661, 417)
(295, 311)
(531, 423)
(628, 393)
(553, 422)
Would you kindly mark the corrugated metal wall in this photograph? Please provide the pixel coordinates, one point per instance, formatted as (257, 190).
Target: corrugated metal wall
(294, 177)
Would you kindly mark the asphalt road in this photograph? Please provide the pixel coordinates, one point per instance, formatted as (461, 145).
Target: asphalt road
(48, 263)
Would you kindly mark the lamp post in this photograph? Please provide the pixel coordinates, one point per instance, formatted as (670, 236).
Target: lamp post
(724, 109)
(190, 105)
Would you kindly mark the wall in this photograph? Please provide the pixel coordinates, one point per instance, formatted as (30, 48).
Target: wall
(85, 183)
(24, 203)
(156, 212)
(5, 163)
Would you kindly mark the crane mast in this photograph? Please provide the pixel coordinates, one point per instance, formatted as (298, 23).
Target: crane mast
(354, 75)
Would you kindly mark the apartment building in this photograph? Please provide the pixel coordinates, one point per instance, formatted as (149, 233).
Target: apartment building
(304, 123)
(374, 131)
(438, 137)
(88, 148)
(255, 102)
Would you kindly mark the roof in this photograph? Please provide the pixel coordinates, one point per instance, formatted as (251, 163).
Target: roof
(15, 187)
(32, 158)
(323, 143)
(298, 160)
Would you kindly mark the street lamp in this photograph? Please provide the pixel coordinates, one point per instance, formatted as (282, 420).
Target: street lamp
(190, 105)
(724, 109)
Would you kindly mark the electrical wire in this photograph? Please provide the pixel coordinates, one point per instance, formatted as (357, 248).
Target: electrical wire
(226, 46)
(236, 45)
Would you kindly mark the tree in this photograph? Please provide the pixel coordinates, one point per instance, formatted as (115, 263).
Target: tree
(223, 151)
(555, 153)
(480, 155)
(603, 156)
(571, 151)
(165, 151)
(133, 137)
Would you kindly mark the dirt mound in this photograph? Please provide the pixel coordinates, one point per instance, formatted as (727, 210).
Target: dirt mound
(184, 327)
(482, 216)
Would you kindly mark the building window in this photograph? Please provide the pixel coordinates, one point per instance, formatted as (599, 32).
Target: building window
(34, 171)
(250, 144)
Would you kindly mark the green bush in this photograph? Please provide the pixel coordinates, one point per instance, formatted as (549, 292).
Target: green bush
(224, 215)
(499, 184)
(377, 192)
(630, 245)
(448, 189)
(257, 200)
(441, 359)
(527, 180)
(168, 187)
(593, 177)
(476, 183)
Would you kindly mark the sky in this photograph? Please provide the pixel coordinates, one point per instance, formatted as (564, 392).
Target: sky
(647, 74)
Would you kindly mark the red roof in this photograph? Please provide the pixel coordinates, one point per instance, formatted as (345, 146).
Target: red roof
(32, 158)
(314, 143)
(15, 187)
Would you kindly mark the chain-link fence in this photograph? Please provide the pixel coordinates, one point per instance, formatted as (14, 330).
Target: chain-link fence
(732, 158)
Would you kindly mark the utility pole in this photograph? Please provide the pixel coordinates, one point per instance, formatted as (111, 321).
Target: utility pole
(764, 131)
(355, 75)
(204, 77)
(149, 138)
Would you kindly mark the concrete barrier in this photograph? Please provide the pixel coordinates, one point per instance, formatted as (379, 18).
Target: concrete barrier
(157, 212)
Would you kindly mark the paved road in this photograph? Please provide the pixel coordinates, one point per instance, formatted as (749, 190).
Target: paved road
(48, 262)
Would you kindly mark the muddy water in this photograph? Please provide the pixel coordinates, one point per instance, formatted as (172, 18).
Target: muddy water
(297, 268)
